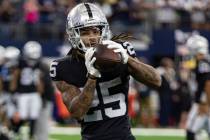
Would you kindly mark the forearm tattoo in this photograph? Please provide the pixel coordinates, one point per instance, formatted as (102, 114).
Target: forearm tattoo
(76, 101)
(81, 104)
(144, 73)
(62, 86)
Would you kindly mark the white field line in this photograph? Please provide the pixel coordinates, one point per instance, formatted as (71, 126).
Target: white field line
(135, 131)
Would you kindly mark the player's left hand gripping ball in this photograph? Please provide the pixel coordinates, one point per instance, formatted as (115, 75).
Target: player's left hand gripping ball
(118, 48)
(89, 61)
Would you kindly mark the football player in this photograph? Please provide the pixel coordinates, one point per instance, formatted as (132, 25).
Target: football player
(98, 100)
(47, 95)
(2, 51)
(198, 117)
(26, 82)
(11, 55)
(3, 97)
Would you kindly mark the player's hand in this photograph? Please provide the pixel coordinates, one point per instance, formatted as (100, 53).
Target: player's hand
(118, 48)
(89, 61)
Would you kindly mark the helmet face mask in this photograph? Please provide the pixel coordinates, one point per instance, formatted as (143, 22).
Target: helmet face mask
(82, 16)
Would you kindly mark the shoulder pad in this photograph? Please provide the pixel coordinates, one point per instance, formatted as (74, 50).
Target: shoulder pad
(43, 66)
(62, 58)
(56, 68)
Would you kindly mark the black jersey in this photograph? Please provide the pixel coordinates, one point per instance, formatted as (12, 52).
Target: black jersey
(107, 117)
(202, 71)
(28, 77)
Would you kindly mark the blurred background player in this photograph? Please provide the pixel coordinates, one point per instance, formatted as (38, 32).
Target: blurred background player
(2, 101)
(169, 85)
(26, 83)
(4, 122)
(11, 56)
(47, 94)
(198, 117)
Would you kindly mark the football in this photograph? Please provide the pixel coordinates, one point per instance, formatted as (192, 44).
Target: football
(106, 59)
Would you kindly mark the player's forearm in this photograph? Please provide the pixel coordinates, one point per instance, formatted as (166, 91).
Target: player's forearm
(144, 73)
(80, 104)
(40, 86)
(13, 83)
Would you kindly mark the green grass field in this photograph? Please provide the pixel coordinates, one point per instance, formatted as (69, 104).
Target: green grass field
(73, 133)
(77, 137)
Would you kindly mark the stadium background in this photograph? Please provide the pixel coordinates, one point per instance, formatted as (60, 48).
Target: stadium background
(159, 27)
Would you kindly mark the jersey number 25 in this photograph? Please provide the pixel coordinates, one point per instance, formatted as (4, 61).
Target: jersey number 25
(107, 98)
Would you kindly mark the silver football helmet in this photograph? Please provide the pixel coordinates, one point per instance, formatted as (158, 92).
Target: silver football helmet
(32, 50)
(12, 55)
(198, 44)
(85, 15)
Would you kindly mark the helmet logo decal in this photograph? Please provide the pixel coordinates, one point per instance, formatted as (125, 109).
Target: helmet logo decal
(90, 14)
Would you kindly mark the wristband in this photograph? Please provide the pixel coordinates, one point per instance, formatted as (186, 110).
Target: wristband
(91, 76)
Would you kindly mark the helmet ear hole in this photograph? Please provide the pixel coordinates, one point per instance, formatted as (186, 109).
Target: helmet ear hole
(77, 31)
(80, 46)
